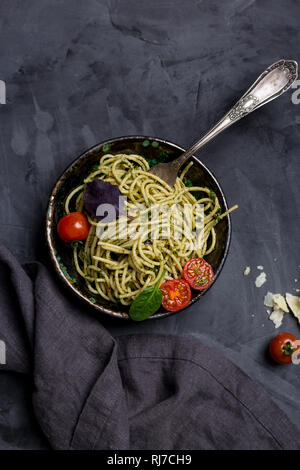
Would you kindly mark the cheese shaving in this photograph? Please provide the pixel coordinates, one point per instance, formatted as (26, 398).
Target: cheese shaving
(294, 304)
(268, 301)
(260, 280)
(247, 270)
(280, 303)
(276, 317)
(279, 307)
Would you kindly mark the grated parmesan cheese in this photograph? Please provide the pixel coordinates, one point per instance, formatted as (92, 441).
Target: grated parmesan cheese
(268, 301)
(276, 317)
(279, 307)
(247, 270)
(294, 304)
(280, 303)
(260, 268)
(260, 280)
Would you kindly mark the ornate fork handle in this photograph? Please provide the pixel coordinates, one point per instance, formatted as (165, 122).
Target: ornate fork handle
(245, 106)
(274, 81)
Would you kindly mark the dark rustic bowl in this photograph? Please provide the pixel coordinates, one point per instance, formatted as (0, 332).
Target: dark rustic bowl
(151, 148)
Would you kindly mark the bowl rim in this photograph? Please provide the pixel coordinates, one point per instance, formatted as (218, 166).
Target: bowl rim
(49, 234)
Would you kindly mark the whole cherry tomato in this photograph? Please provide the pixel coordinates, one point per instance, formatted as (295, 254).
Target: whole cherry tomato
(198, 273)
(73, 227)
(282, 348)
(176, 294)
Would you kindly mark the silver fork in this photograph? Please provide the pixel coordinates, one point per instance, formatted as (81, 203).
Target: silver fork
(274, 81)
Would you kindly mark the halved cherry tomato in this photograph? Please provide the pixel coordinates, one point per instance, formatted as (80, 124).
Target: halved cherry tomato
(198, 273)
(176, 294)
(73, 227)
(282, 348)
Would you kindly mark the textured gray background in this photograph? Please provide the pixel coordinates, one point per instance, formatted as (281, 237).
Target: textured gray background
(83, 71)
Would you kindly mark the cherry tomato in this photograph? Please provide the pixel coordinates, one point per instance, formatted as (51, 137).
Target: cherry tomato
(198, 273)
(73, 227)
(282, 347)
(176, 294)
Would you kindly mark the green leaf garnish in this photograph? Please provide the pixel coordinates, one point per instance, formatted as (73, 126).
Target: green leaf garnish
(94, 168)
(217, 216)
(146, 143)
(147, 302)
(155, 144)
(212, 195)
(106, 148)
(187, 182)
(152, 161)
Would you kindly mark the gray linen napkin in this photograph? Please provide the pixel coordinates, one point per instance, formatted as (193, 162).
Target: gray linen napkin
(91, 391)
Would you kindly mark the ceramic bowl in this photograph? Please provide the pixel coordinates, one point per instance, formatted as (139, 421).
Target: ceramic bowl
(155, 150)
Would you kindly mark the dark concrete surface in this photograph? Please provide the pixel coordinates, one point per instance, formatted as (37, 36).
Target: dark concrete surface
(84, 71)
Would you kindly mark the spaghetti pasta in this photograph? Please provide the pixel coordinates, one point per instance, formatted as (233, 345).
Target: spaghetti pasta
(118, 268)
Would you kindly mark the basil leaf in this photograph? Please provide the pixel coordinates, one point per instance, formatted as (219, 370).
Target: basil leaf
(99, 192)
(147, 302)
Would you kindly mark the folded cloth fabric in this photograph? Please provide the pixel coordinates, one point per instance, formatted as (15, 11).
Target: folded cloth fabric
(91, 391)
